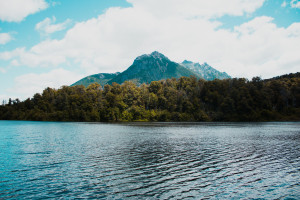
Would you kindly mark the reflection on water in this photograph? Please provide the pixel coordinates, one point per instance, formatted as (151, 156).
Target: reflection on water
(149, 160)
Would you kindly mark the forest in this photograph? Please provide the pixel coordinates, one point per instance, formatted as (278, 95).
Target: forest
(183, 99)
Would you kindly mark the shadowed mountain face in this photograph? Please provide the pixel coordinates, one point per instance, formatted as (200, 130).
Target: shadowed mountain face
(154, 67)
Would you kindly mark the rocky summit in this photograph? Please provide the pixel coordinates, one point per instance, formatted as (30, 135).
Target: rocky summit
(205, 70)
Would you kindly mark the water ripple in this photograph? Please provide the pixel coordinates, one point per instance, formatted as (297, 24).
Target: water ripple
(149, 160)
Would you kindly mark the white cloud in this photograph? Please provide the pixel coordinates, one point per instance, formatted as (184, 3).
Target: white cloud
(264, 49)
(108, 43)
(2, 70)
(198, 8)
(17, 10)
(111, 41)
(8, 55)
(28, 84)
(47, 26)
(284, 4)
(295, 4)
(5, 38)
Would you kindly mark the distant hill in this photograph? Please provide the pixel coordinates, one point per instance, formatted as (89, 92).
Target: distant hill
(101, 78)
(206, 71)
(153, 67)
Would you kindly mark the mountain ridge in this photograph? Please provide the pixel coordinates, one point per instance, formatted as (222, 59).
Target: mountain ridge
(205, 70)
(101, 78)
(153, 67)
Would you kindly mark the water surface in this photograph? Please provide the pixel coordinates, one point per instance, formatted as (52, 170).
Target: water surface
(149, 160)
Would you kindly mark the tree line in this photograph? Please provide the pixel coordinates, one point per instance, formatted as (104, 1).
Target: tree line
(183, 99)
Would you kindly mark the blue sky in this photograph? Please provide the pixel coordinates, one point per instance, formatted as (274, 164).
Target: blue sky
(56, 42)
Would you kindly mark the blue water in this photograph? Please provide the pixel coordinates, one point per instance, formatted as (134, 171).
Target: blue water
(41, 160)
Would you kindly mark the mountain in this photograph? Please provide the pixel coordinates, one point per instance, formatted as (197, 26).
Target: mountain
(153, 67)
(205, 70)
(101, 78)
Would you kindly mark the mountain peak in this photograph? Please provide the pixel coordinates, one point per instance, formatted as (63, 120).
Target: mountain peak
(154, 54)
(153, 67)
(187, 62)
(205, 70)
(160, 56)
(150, 67)
(157, 54)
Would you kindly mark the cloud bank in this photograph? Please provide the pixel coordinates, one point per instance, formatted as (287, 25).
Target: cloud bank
(28, 84)
(17, 10)
(48, 26)
(5, 38)
(295, 4)
(197, 8)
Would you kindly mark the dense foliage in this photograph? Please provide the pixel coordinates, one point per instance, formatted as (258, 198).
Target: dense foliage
(183, 99)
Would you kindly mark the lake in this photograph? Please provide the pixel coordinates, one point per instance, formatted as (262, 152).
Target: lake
(41, 160)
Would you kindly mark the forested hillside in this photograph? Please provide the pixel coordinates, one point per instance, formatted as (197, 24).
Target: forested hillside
(183, 99)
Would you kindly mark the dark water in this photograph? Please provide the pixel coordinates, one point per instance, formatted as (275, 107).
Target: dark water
(41, 160)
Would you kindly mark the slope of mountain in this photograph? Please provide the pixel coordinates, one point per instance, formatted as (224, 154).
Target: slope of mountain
(153, 67)
(101, 78)
(205, 70)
